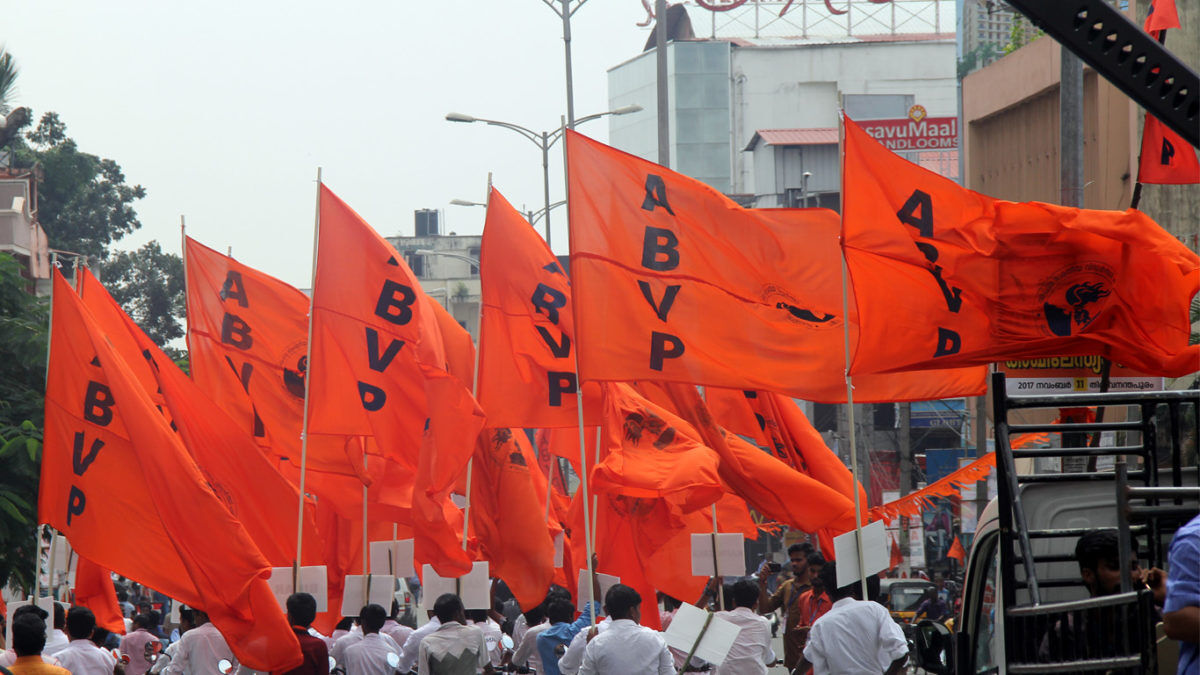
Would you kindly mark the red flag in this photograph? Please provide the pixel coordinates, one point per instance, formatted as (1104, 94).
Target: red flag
(234, 467)
(109, 457)
(379, 369)
(1166, 158)
(674, 282)
(1162, 15)
(948, 277)
(527, 367)
(94, 590)
(956, 551)
(897, 558)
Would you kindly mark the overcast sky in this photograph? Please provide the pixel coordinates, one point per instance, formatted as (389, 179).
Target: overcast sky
(224, 110)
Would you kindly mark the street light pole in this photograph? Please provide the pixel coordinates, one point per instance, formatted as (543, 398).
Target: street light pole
(546, 163)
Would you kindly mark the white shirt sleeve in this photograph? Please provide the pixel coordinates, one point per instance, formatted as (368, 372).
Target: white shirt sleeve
(588, 667)
(891, 638)
(422, 659)
(812, 651)
(572, 660)
(483, 657)
(666, 664)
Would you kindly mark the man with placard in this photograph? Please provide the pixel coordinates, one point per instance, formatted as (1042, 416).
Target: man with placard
(751, 653)
(626, 647)
(856, 637)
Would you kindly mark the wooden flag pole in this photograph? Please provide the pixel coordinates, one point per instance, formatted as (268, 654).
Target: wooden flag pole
(37, 533)
(716, 568)
(365, 539)
(307, 389)
(475, 374)
(858, 539)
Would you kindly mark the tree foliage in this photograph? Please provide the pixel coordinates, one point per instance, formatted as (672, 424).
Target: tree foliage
(8, 80)
(149, 284)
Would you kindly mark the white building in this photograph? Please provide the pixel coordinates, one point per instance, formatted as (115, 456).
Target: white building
(449, 273)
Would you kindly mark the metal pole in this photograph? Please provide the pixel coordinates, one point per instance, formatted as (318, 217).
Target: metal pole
(545, 181)
(475, 385)
(660, 48)
(307, 384)
(1070, 124)
(906, 466)
(566, 18)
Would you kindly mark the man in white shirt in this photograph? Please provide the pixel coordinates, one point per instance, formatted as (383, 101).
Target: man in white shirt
(751, 653)
(412, 646)
(454, 647)
(394, 629)
(57, 640)
(354, 636)
(854, 637)
(571, 661)
(492, 633)
(81, 656)
(374, 654)
(626, 647)
(200, 649)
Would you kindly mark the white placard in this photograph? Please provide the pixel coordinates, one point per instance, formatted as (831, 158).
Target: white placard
(875, 553)
(686, 627)
(730, 557)
(393, 557)
(583, 588)
(12, 607)
(379, 592)
(47, 603)
(558, 550)
(173, 615)
(313, 580)
(474, 587)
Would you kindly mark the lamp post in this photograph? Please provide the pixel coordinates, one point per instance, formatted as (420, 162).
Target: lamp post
(543, 140)
(534, 215)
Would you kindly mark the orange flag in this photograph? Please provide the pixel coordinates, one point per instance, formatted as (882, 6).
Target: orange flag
(1162, 15)
(527, 366)
(677, 283)
(247, 349)
(110, 457)
(1166, 159)
(94, 590)
(948, 277)
(380, 369)
(508, 515)
(956, 551)
(234, 467)
(897, 558)
(651, 454)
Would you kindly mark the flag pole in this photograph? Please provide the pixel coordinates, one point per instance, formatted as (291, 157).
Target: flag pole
(37, 531)
(583, 478)
(307, 385)
(858, 538)
(365, 545)
(475, 371)
(716, 568)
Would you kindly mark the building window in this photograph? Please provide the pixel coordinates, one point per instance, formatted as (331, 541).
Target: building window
(474, 253)
(416, 263)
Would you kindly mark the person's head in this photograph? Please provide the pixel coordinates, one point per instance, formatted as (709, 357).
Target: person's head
(142, 621)
(560, 611)
(829, 582)
(622, 602)
(80, 623)
(816, 563)
(557, 591)
(346, 623)
(187, 619)
(199, 617)
(535, 615)
(31, 609)
(670, 603)
(60, 616)
(1099, 560)
(745, 594)
(301, 609)
(28, 634)
(371, 618)
(476, 615)
(449, 607)
(798, 554)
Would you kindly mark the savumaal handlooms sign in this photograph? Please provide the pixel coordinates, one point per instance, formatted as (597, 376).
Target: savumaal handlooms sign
(915, 132)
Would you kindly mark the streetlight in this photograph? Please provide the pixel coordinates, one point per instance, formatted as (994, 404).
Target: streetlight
(534, 215)
(463, 202)
(543, 140)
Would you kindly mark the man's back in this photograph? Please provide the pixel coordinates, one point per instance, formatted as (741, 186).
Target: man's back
(315, 652)
(627, 648)
(751, 650)
(82, 657)
(453, 649)
(134, 645)
(200, 650)
(855, 638)
(370, 656)
(34, 665)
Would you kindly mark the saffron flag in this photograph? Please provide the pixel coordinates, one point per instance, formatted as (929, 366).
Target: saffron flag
(527, 366)
(911, 505)
(508, 515)
(248, 351)
(94, 590)
(956, 551)
(1161, 16)
(236, 469)
(675, 282)
(1166, 159)
(110, 457)
(896, 559)
(379, 370)
(944, 276)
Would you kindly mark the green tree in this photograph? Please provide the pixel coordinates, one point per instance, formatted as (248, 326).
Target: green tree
(8, 80)
(23, 343)
(149, 284)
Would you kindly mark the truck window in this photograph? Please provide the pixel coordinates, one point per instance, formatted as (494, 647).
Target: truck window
(985, 638)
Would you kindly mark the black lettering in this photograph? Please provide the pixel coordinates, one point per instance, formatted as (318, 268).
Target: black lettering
(929, 250)
(79, 461)
(97, 404)
(76, 500)
(663, 346)
(560, 349)
(656, 194)
(379, 362)
(243, 375)
(668, 299)
(909, 216)
(762, 421)
(658, 241)
(235, 332)
(372, 397)
(553, 268)
(949, 342)
(1168, 153)
(395, 308)
(548, 301)
(952, 295)
(559, 384)
(234, 288)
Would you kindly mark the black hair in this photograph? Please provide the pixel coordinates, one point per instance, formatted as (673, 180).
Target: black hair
(80, 623)
(620, 601)
(829, 580)
(802, 546)
(447, 607)
(60, 616)
(31, 609)
(301, 609)
(187, 614)
(815, 558)
(671, 603)
(1101, 545)
(371, 618)
(560, 611)
(477, 615)
(28, 634)
(558, 592)
(535, 615)
(143, 620)
(745, 593)
(346, 623)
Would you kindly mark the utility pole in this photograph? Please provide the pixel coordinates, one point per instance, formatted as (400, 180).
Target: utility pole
(660, 48)
(906, 467)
